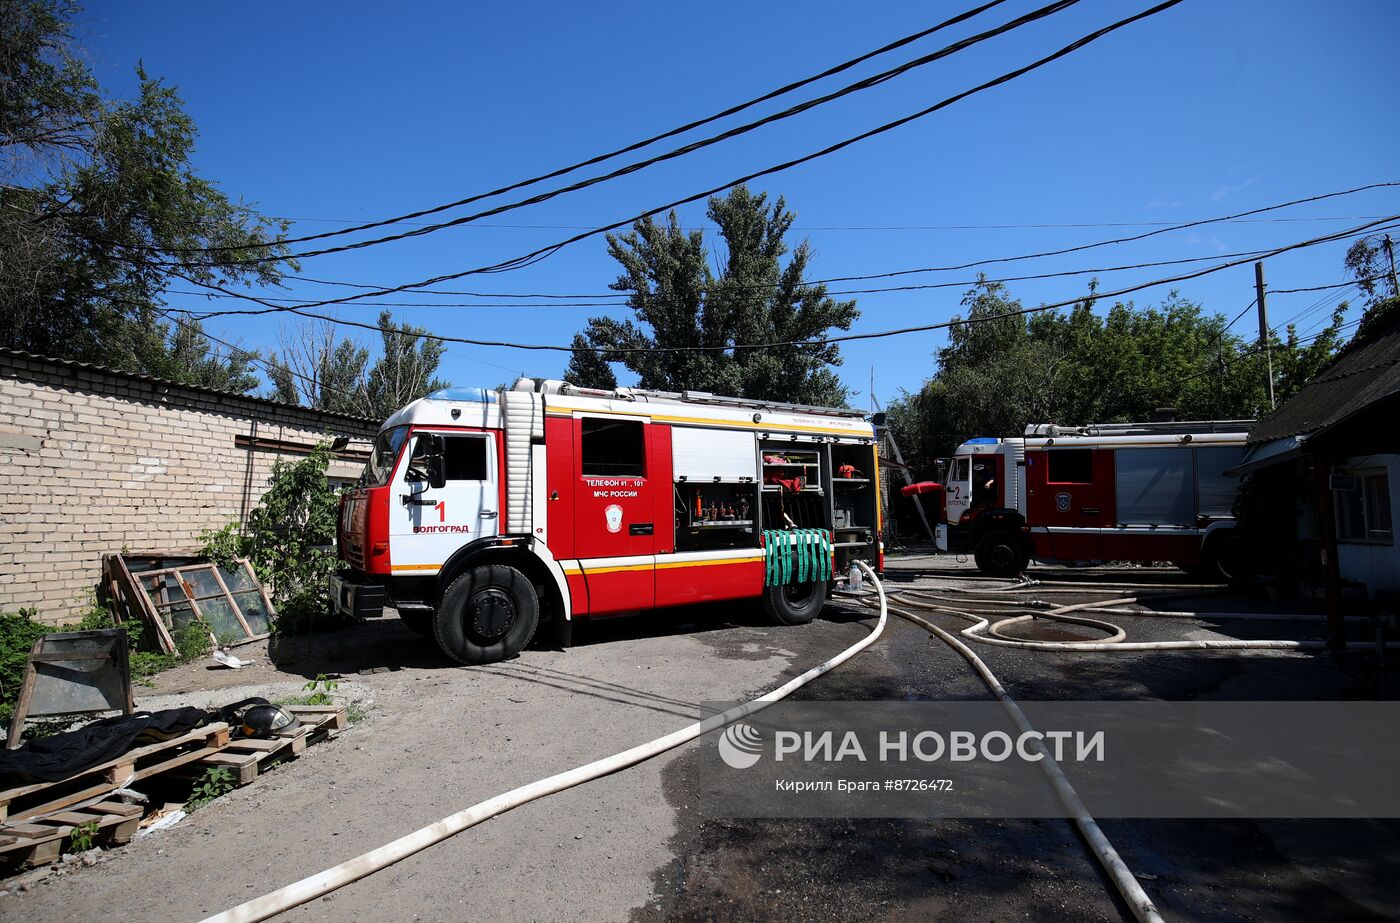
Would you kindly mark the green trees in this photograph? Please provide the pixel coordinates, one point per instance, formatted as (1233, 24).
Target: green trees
(1370, 265)
(98, 202)
(587, 368)
(317, 370)
(751, 296)
(405, 370)
(1006, 370)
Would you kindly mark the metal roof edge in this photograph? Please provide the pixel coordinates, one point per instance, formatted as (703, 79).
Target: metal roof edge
(171, 383)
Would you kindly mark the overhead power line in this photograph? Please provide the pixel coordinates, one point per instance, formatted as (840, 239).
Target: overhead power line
(922, 328)
(662, 296)
(371, 290)
(1243, 354)
(543, 252)
(637, 166)
(1044, 226)
(638, 145)
(1238, 316)
(1318, 288)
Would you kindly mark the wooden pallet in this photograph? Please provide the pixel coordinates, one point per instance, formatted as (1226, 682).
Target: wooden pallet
(45, 798)
(247, 757)
(43, 840)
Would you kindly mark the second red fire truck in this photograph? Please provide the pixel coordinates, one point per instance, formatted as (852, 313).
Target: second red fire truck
(1120, 491)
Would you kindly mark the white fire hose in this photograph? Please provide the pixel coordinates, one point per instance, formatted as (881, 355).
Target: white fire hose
(1128, 886)
(985, 631)
(373, 861)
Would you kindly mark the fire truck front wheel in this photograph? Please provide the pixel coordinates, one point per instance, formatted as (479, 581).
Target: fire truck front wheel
(793, 603)
(1002, 554)
(488, 614)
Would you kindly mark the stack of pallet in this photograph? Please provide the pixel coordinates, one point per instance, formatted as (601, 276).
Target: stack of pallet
(38, 822)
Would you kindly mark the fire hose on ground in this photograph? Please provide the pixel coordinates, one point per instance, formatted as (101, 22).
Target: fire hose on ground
(986, 631)
(375, 860)
(331, 879)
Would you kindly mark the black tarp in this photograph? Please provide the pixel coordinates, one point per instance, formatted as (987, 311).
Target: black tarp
(54, 758)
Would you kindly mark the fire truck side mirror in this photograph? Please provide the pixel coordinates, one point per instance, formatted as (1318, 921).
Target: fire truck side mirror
(433, 449)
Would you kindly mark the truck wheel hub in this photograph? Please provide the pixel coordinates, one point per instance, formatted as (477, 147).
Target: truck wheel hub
(1001, 555)
(491, 614)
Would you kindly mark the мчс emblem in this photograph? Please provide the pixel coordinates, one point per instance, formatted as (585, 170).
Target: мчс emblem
(1062, 501)
(614, 517)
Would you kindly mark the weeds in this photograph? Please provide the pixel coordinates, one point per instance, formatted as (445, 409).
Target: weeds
(216, 782)
(83, 837)
(317, 692)
(321, 689)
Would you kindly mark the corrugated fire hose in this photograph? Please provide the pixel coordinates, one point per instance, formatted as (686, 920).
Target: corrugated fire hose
(373, 861)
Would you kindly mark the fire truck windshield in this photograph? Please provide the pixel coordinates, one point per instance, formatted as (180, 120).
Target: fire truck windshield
(382, 457)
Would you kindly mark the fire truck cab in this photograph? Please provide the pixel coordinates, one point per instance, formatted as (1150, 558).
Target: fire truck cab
(482, 513)
(1121, 491)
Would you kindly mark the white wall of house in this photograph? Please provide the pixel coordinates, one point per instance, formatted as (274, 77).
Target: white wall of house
(1367, 551)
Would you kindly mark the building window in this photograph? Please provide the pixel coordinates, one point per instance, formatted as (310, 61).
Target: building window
(613, 448)
(1363, 507)
(1070, 466)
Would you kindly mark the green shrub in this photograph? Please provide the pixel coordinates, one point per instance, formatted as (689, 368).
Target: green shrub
(18, 632)
(287, 539)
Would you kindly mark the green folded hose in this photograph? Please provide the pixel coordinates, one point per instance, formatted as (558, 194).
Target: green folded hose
(796, 556)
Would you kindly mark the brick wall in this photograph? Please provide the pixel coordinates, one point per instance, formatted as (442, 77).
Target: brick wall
(92, 461)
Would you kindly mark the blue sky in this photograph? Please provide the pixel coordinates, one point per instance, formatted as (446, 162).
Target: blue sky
(347, 111)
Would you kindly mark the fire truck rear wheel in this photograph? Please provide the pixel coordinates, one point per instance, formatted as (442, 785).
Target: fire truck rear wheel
(1002, 554)
(793, 603)
(488, 614)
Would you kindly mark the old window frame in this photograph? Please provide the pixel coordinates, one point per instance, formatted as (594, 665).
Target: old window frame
(134, 586)
(1371, 523)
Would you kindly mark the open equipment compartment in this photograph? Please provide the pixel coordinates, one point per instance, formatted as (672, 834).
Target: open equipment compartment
(854, 499)
(716, 489)
(794, 478)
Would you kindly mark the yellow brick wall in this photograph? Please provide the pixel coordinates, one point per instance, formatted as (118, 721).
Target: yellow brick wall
(94, 462)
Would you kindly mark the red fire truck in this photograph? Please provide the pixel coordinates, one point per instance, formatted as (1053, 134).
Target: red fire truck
(482, 513)
(1120, 491)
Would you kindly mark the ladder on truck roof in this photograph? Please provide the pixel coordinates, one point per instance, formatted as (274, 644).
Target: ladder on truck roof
(687, 397)
(1141, 429)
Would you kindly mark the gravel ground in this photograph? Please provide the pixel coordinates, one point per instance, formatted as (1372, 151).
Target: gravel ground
(640, 844)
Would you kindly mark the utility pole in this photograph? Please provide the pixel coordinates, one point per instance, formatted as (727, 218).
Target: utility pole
(1264, 327)
(1390, 252)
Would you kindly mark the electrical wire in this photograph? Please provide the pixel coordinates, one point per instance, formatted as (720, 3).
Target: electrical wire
(922, 328)
(544, 252)
(872, 227)
(374, 290)
(640, 165)
(662, 296)
(634, 146)
(1232, 323)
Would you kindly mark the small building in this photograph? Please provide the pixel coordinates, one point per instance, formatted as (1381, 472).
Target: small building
(94, 460)
(1328, 459)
